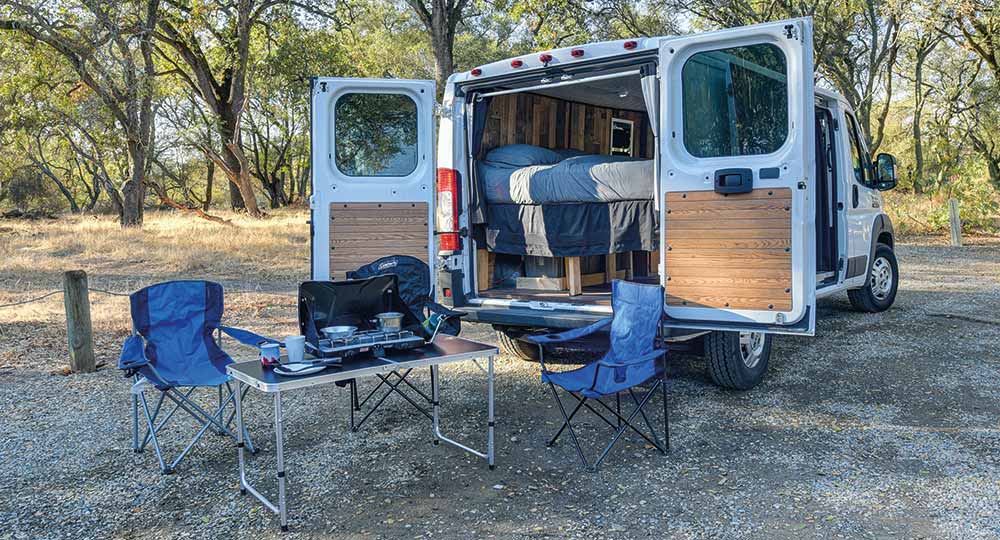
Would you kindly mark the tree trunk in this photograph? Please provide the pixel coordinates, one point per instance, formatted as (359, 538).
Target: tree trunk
(209, 178)
(241, 192)
(133, 192)
(442, 42)
(918, 147)
(994, 168)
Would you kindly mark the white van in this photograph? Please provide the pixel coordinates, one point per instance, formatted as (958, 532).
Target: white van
(706, 163)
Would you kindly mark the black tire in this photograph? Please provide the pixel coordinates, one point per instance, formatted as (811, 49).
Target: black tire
(726, 353)
(877, 294)
(512, 346)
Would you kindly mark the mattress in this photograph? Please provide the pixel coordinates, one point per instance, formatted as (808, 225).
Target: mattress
(571, 230)
(584, 178)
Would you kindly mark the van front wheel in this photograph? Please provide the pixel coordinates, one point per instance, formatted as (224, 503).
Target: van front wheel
(737, 360)
(511, 345)
(879, 291)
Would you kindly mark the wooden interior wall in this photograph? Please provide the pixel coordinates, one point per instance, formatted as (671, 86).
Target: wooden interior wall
(729, 251)
(555, 123)
(363, 232)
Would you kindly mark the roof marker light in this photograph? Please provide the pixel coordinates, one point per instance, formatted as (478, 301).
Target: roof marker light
(545, 58)
(516, 63)
(476, 72)
(630, 45)
(576, 53)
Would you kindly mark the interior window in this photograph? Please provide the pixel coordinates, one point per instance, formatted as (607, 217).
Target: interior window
(735, 101)
(375, 135)
(859, 158)
(621, 137)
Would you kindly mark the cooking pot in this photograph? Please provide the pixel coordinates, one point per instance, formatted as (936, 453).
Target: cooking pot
(390, 321)
(338, 332)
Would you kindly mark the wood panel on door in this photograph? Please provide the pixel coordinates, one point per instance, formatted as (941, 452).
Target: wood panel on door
(363, 232)
(729, 251)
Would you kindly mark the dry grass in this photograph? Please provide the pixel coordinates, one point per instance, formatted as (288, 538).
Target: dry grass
(268, 256)
(271, 251)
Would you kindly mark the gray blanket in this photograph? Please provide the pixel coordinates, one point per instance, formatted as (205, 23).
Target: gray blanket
(585, 178)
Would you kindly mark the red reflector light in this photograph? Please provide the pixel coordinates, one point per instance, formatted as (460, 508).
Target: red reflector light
(576, 53)
(545, 58)
(630, 45)
(516, 63)
(447, 292)
(476, 72)
(447, 210)
(449, 242)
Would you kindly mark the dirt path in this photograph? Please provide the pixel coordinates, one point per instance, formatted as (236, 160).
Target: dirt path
(882, 426)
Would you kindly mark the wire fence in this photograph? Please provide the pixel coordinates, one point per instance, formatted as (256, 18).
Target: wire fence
(120, 294)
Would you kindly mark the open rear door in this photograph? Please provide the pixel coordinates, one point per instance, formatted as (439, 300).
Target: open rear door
(736, 183)
(372, 172)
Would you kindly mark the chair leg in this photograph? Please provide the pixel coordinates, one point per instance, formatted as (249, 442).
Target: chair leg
(621, 430)
(572, 433)
(214, 422)
(666, 417)
(152, 433)
(579, 405)
(135, 423)
(618, 407)
(652, 430)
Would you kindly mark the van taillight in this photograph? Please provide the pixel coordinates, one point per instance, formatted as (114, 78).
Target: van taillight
(447, 211)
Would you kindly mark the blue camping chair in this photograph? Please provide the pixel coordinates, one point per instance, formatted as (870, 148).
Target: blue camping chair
(632, 360)
(175, 347)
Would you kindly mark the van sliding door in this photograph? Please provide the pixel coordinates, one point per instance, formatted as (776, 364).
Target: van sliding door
(736, 187)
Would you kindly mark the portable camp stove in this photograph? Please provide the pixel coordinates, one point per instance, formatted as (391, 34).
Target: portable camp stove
(374, 341)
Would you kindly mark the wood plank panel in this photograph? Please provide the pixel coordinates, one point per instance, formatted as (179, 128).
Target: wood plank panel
(554, 123)
(363, 232)
(729, 251)
(730, 243)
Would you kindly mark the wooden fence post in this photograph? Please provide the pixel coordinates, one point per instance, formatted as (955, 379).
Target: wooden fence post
(78, 328)
(956, 223)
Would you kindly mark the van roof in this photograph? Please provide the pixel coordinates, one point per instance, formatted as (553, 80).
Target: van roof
(574, 55)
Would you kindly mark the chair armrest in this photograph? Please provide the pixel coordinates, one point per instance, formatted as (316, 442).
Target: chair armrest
(541, 339)
(247, 337)
(655, 353)
(443, 311)
(132, 356)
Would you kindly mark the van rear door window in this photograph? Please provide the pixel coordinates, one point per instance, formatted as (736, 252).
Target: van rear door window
(375, 134)
(735, 101)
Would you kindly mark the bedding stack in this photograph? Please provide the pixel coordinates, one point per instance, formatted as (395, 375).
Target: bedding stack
(564, 203)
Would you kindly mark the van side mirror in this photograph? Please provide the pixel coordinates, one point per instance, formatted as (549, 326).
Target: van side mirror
(885, 172)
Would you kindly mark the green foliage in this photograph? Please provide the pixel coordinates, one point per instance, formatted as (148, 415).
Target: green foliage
(48, 117)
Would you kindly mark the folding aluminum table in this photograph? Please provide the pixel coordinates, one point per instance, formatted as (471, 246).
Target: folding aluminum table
(443, 350)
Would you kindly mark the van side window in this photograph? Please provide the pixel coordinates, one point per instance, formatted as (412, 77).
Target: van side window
(375, 134)
(859, 158)
(735, 101)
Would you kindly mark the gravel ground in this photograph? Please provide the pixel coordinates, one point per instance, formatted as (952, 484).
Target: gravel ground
(881, 426)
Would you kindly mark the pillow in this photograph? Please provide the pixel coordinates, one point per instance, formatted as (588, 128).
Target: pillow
(566, 153)
(522, 155)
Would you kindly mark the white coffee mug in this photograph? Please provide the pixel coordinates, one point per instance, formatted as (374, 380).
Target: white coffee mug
(296, 347)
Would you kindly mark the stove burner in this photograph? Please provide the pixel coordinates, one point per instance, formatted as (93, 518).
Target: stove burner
(366, 340)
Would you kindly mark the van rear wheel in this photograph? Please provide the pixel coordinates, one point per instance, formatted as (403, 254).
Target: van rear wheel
(511, 345)
(737, 360)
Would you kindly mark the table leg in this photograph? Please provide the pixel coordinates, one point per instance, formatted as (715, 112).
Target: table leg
(280, 440)
(490, 420)
(239, 437)
(435, 404)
